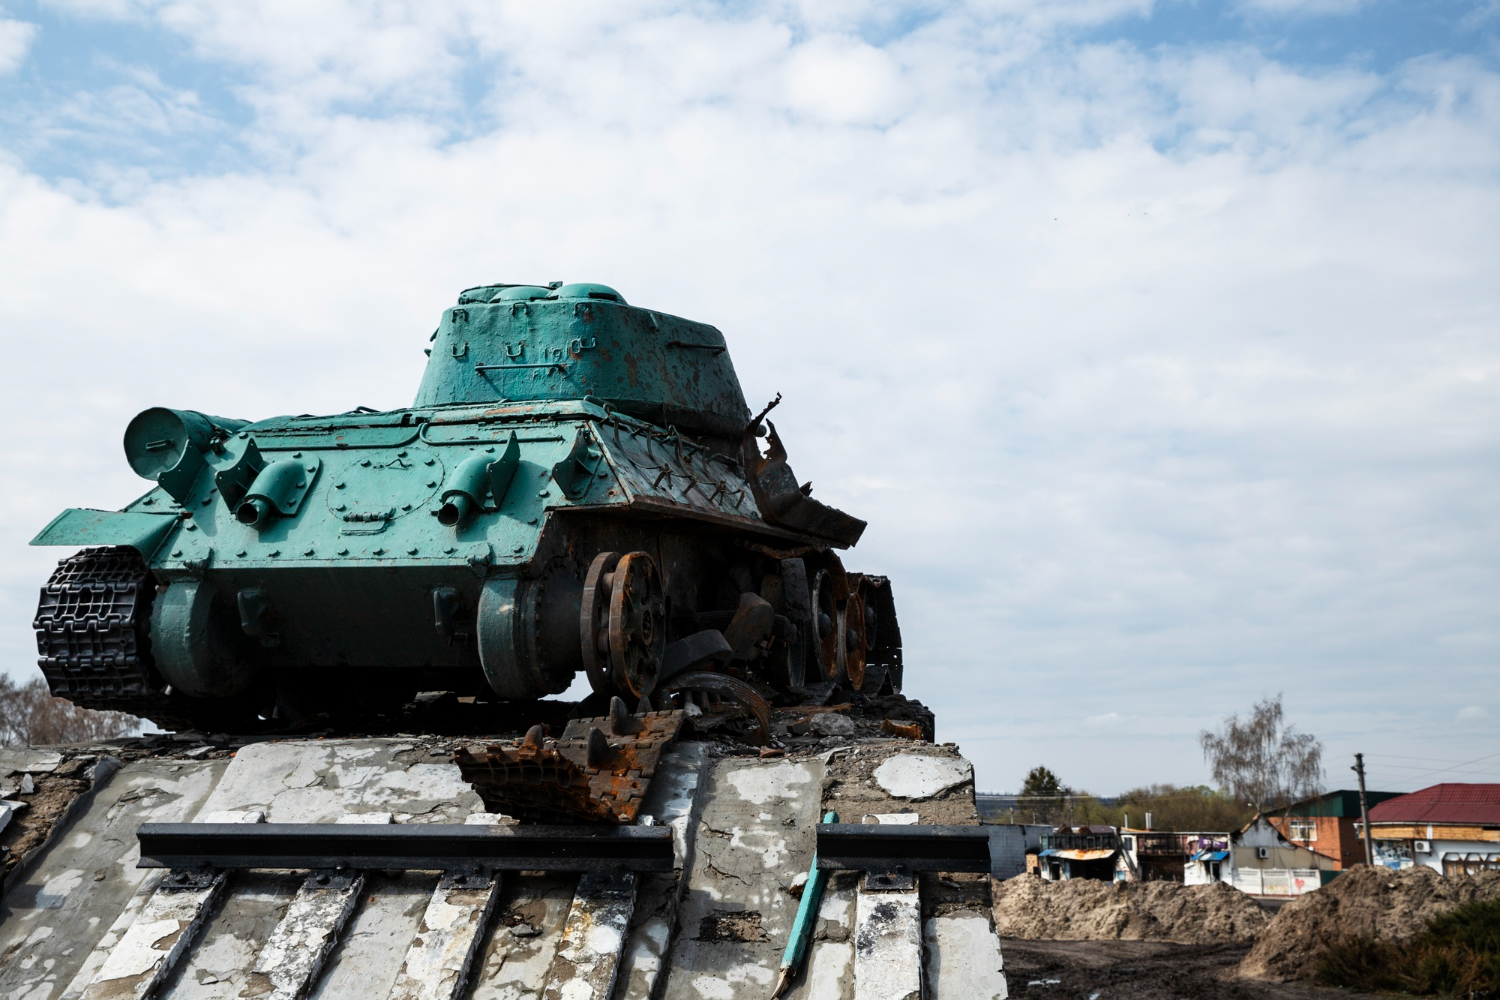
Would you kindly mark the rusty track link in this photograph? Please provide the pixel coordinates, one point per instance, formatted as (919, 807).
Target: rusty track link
(598, 771)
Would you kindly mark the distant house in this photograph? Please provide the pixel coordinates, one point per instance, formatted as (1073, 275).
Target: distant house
(1014, 847)
(1091, 852)
(1258, 859)
(1328, 825)
(1452, 827)
(1263, 862)
(1210, 860)
(1157, 856)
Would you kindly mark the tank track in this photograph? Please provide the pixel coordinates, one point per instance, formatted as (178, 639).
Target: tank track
(93, 636)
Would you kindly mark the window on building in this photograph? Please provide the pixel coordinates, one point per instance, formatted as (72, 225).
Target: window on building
(1395, 854)
(1469, 864)
(1304, 829)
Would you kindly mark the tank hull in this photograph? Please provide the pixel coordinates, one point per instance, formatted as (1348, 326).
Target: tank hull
(489, 547)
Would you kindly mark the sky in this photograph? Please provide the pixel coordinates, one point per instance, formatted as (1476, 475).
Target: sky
(1157, 340)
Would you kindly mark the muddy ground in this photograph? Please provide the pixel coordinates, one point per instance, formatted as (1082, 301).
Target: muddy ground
(1148, 970)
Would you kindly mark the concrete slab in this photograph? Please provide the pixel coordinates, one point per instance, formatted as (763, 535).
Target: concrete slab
(887, 945)
(441, 957)
(368, 958)
(219, 967)
(524, 936)
(593, 938)
(151, 946)
(921, 776)
(332, 781)
(672, 800)
(307, 932)
(28, 760)
(963, 959)
(80, 887)
(754, 838)
(324, 781)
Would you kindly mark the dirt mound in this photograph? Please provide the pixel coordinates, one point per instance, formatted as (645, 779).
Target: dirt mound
(1085, 910)
(1363, 902)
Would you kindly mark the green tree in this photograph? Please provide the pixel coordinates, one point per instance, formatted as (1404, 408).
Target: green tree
(1182, 808)
(1041, 781)
(1044, 798)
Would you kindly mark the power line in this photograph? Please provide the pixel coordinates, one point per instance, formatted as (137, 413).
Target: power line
(1445, 770)
(1459, 770)
(1397, 756)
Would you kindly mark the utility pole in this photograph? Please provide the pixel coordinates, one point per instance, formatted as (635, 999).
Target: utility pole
(1364, 807)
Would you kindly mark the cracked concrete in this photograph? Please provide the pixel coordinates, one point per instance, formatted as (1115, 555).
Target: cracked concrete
(755, 837)
(674, 800)
(955, 917)
(524, 938)
(323, 781)
(743, 835)
(218, 969)
(52, 920)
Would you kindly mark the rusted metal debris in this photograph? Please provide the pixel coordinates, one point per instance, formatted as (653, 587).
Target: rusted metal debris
(597, 771)
(735, 690)
(910, 730)
(777, 494)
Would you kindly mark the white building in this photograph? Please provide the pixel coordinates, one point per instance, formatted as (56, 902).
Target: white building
(1452, 827)
(1262, 862)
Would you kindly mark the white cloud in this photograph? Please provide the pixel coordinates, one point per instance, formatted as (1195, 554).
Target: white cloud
(1163, 378)
(844, 81)
(15, 41)
(1471, 714)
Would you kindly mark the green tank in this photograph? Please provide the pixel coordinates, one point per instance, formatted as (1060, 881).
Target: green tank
(578, 486)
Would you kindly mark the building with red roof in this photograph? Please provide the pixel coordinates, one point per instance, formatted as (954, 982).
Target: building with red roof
(1452, 827)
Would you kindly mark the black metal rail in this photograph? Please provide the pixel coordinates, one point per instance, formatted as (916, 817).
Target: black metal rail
(878, 847)
(416, 847)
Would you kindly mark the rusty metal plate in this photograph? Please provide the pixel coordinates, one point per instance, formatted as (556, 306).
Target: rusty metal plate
(597, 771)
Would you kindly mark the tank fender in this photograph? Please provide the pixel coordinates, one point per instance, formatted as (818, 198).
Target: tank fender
(780, 498)
(695, 651)
(190, 645)
(75, 526)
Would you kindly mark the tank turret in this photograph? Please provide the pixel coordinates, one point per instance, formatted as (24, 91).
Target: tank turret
(533, 343)
(578, 487)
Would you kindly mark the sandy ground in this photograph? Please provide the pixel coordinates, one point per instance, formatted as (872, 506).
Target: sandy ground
(1149, 970)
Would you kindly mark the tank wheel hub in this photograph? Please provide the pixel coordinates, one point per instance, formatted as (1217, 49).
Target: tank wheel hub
(621, 623)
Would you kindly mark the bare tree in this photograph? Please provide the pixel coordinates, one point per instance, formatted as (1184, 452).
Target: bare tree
(1265, 763)
(29, 714)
